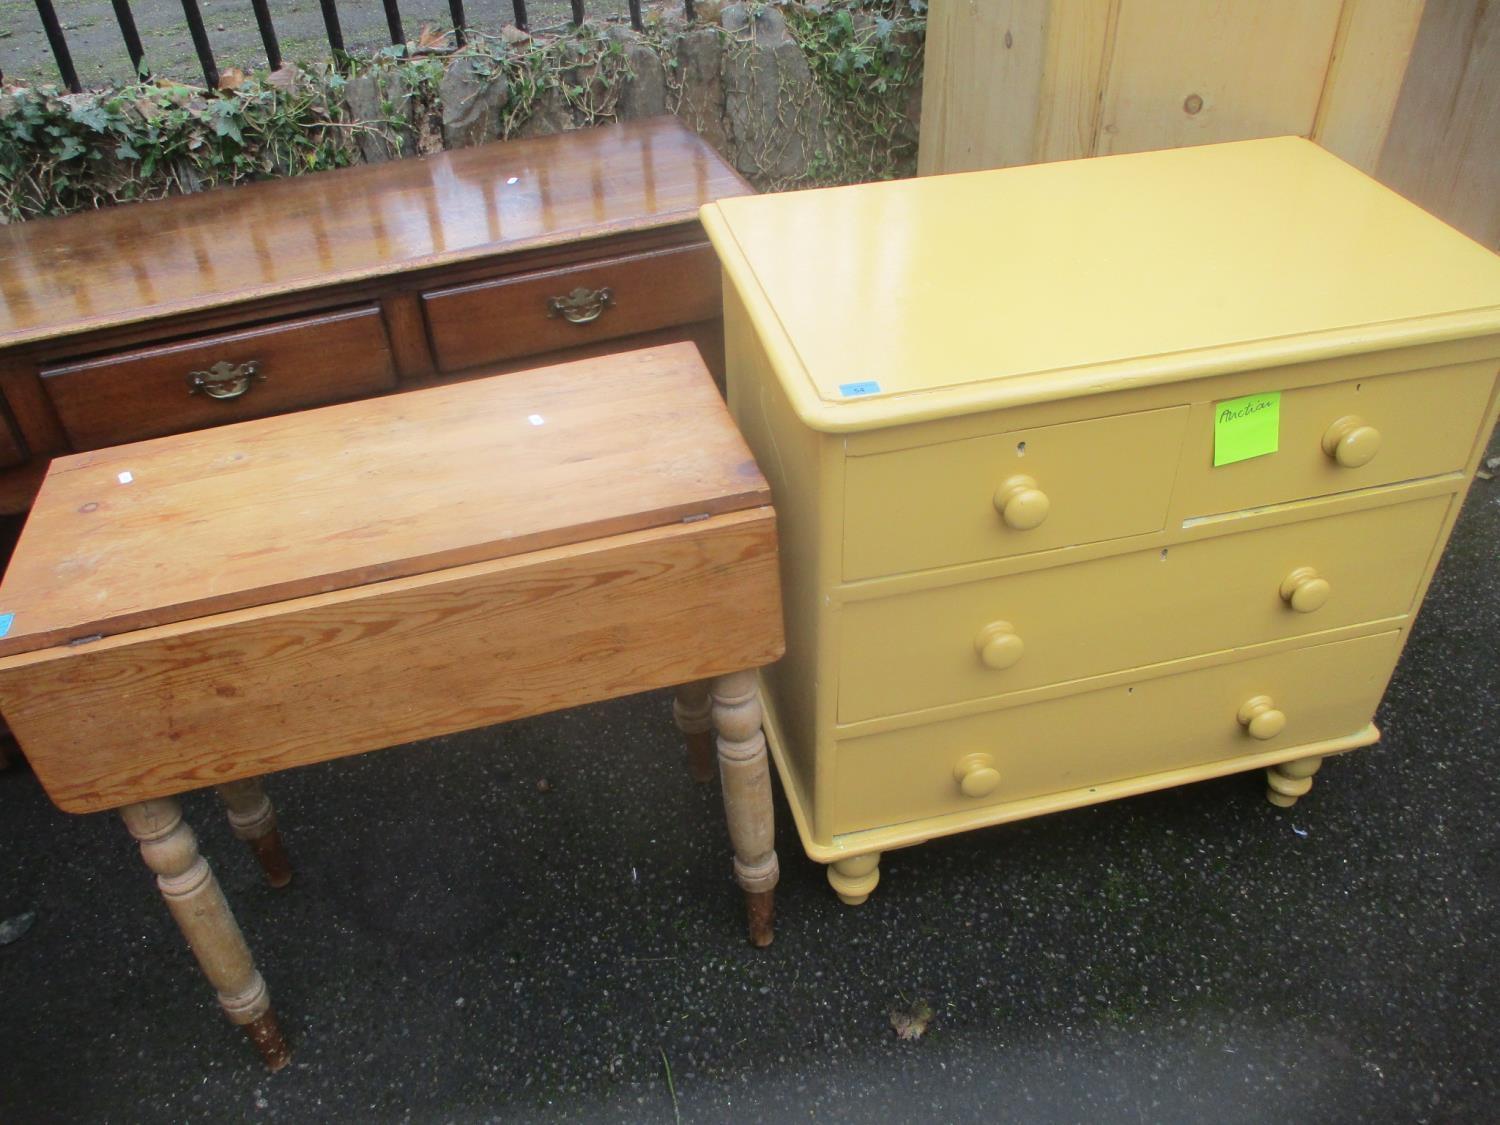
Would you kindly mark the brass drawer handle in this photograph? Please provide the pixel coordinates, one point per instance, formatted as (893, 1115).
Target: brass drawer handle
(582, 306)
(225, 380)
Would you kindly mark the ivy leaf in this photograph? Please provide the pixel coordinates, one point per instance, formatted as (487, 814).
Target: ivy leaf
(71, 147)
(92, 115)
(125, 152)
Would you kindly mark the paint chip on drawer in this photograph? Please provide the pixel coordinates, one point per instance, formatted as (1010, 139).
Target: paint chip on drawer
(1246, 427)
(859, 390)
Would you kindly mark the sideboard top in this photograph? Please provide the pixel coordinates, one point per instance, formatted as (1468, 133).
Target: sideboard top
(895, 302)
(139, 261)
(258, 512)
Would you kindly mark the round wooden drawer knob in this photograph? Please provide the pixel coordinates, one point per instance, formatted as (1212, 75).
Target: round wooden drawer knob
(1259, 716)
(976, 775)
(1351, 442)
(999, 645)
(1304, 590)
(1021, 504)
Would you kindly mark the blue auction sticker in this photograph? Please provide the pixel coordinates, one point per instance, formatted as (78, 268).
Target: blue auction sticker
(5, 620)
(859, 390)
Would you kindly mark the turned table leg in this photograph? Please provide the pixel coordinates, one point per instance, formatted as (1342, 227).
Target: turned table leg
(1290, 780)
(254, 821)
(854, 878)
(197, 903)
(692, 709)
(745, 775)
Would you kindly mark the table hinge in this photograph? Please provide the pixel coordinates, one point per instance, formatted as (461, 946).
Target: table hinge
(695, 519)
(76, 641)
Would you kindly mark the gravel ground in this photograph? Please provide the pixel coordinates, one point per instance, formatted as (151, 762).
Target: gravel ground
(462, 944)
(99, 52)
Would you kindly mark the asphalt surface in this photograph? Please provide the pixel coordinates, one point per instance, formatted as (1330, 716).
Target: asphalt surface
(462, 944)
(99, 54)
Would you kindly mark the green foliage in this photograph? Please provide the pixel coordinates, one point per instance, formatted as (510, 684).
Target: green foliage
(66, 152)
(866, 55)
(61, 152)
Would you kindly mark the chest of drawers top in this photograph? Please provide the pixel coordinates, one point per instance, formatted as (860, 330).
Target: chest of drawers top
(954, 294)
(125, 265)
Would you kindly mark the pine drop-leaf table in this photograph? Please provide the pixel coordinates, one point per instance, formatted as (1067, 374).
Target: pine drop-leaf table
(206, 608)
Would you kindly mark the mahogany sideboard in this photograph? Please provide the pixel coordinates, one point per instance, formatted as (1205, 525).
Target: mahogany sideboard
(174, 315)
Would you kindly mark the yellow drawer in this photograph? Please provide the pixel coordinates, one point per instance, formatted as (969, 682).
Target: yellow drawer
(1010, 493)
(916, 651)
(1409, 426)
(1092, 738)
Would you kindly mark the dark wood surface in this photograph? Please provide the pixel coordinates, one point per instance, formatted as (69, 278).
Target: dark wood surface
(98, 310)
(12, 448)
(498, 320)
(223, 519)
(145, 393)
(148, 260)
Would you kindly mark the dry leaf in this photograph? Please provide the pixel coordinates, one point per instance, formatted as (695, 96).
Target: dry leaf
(283, 79)
(231, 78)
(911, 1023)
(431, 39)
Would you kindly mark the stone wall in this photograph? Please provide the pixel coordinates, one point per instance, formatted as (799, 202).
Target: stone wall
(792, 94)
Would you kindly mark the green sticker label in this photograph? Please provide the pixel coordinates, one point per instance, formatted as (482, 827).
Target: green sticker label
(1246, 427)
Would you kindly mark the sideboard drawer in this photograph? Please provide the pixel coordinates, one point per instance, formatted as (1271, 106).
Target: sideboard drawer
(540, 312)
(1010, 493)
(1153, 725)
(170, 388)
(1395, 428)
(1065, 623)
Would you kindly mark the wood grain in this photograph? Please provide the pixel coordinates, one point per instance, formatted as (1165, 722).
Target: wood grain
(1257, 70)
(1364, 77)
(982, 84)
(202, 702)
(148, 260)
(145, 393)
(1079, 39)
(1443, 150)
(346, 495)
(499, 320)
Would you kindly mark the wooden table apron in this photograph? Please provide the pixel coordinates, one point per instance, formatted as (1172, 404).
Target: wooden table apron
(268, 595)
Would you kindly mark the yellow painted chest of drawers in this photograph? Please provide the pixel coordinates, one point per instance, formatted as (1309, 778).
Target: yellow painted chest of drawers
(990, 407)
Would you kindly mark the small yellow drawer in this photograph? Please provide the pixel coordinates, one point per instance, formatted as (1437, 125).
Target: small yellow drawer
(1093, 738)
(987, 638)
(1342, 436)
(1010, 493)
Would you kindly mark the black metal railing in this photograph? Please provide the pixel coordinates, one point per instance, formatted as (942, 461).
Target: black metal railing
(204, 48)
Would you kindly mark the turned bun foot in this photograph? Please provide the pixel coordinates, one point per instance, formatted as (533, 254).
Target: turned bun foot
(1290, 780)
(853, 879)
